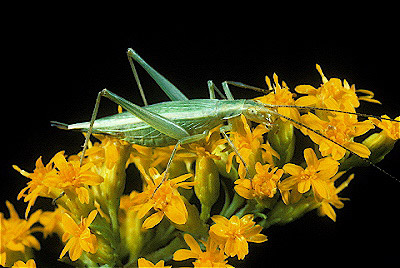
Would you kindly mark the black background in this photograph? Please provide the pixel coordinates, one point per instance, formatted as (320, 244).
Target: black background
(56, 65)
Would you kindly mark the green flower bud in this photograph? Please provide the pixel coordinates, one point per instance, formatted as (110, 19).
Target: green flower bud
(207, 184)
(282, 139)
(282, 214)
(380, 144)
(132, 234)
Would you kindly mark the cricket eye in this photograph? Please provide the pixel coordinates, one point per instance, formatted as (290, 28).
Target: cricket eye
(252, 111)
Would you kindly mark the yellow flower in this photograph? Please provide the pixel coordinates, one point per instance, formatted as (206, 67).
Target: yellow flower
(35, 187)
(263, 184)
(106, 153)
(334, 200)
(164, 199)
(280, 95)
(29, 264)
(391, 128)
(269, 153)
(16, 236)
(143, 263)
(316, 176)
(206, 146)
(52, 221)
(341, 129)
(332, 94)
(73, 177)
(80, 237)
(212, 257)
(232, 235)
(248, 143)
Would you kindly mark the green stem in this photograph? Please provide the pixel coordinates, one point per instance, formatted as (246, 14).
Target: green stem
(248, 208)
(236, 203)
(166, 252)
(227, 199)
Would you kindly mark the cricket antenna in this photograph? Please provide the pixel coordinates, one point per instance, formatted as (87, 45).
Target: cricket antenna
(332, 110)
(367, 160)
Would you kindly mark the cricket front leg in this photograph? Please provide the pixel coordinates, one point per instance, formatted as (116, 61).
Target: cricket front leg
(184, 140)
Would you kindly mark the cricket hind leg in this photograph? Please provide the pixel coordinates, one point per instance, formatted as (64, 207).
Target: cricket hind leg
(172, 91)
(135, 74)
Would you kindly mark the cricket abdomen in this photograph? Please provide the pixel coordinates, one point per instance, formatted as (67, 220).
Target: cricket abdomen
(195, 116)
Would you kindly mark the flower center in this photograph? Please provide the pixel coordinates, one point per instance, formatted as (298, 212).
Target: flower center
(308, 174)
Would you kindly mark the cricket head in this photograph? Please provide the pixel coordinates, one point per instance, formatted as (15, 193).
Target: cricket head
(257, 112)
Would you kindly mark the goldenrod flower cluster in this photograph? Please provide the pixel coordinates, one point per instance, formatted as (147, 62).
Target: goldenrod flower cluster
(214, 202)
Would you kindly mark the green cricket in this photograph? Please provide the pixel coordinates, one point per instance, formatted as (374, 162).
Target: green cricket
(182, 120)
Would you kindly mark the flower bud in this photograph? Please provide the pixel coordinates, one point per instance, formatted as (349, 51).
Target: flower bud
(193, 225)
(282, 140)
(207, 184)
(132, 234)
(380, 144)
(282, 214)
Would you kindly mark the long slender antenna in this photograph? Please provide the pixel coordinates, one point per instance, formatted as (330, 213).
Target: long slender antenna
(331, 110)
(335, 142)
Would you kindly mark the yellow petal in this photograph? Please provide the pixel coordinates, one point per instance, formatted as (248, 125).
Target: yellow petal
(310, 157)
(306, 101)
(181, 178)
(326, 209)
(303, 186)
(32, 242)
(253, 231)
(258, 238)
(15, 246)
(220, 219)
(242, 247)
(327, 163)
(331, 103)
(359, 149)
(143, 263)
(175, 215)
(11, 209)
(76, 251)
(305, 89)
(293, 169)
(91, 217)
(192, 243)
(66, 248)
(83, 195)
(144, 209)
(288, 183)
(184, 254)
(59, 160)
(244, 192)
(153, 220)
(320, 188)
(69, 224)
